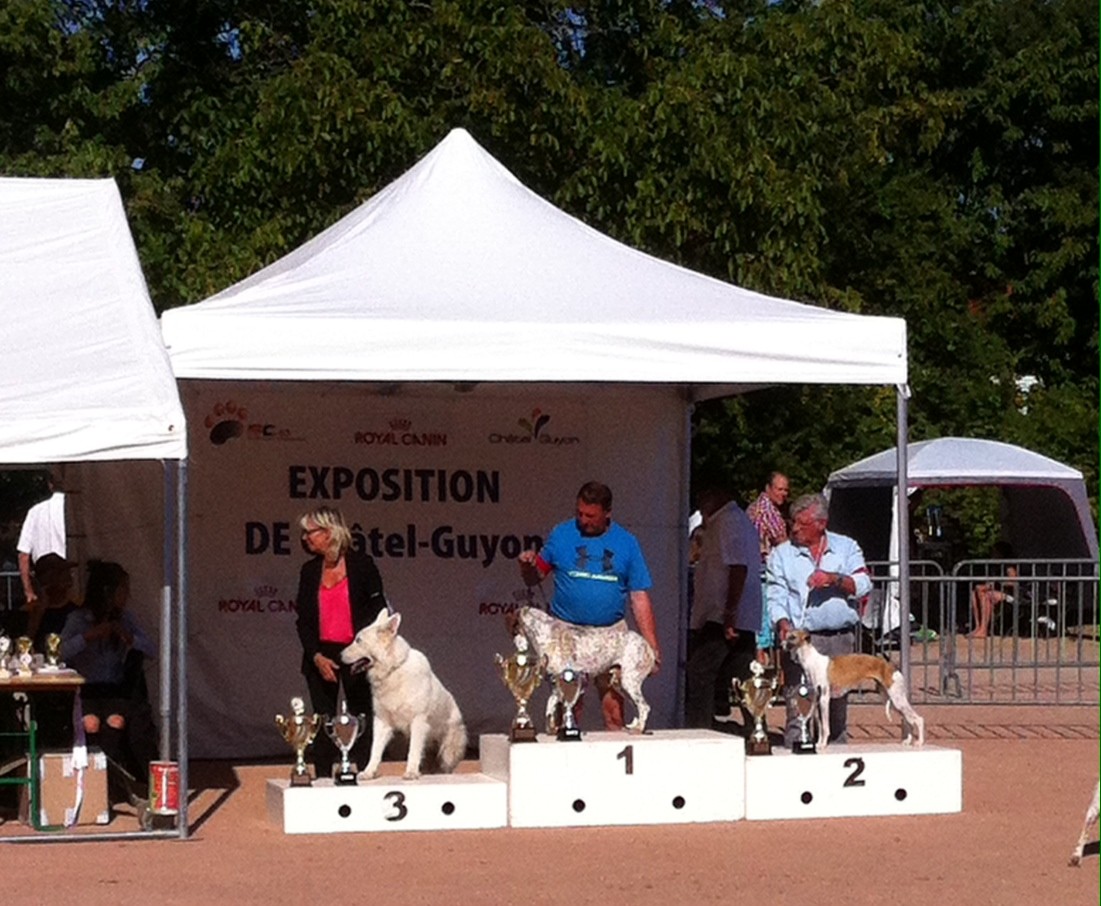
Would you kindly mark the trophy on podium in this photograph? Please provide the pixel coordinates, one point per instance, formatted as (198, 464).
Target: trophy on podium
(756, 695)
(568, 686)
(522, 675)
(804, 700)
(299, 731)
(344, 730)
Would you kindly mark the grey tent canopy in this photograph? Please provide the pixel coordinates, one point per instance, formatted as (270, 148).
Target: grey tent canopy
(1045, 512)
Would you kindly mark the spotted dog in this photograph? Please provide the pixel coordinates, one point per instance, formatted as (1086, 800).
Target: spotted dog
(591, 650)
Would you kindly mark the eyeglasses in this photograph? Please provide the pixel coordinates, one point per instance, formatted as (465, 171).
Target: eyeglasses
(307, 532)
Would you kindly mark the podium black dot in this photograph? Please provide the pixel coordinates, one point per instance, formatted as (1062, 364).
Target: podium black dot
(900, 794)
(448, 808)
(344, 811)
(678, 802)
(807, 798)
(579, 805)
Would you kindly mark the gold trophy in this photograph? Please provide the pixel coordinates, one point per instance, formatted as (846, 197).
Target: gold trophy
(804, 699)
(756, 695)
(53, 651)
(522, 675)
(24, 656)
(299, 731)
(568, 686)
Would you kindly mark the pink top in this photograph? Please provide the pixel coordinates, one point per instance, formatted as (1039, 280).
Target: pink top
(335, 613)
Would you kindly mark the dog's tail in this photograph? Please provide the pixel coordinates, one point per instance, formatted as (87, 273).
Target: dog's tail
(452, 746)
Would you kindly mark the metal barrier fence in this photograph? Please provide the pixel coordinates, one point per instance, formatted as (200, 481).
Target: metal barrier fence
(1042, 645)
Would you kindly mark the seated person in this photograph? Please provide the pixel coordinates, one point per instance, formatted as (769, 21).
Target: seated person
(987, 596)
(105, 644)
(47, 614)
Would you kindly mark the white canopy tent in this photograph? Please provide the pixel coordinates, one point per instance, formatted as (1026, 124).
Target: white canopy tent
(85, 380)
(1046, 511)
(456, 299)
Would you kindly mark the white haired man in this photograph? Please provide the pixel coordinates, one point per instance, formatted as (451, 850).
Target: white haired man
(813, 582)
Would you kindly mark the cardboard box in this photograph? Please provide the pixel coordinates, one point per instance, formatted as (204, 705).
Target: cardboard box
(58, 791)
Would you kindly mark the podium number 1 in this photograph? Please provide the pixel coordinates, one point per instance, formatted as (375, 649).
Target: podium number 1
(628, 756)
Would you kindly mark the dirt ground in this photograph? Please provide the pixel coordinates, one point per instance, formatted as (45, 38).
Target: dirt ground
(1028, 776)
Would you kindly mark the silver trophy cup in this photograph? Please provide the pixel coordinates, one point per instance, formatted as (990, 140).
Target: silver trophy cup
(568, 686)
(344, 730)
(804, 701)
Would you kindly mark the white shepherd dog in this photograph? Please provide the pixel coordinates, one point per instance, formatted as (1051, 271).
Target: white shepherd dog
(408, 698)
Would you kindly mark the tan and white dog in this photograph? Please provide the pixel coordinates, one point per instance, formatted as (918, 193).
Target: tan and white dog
(1091, 820)
(408, 698)
(833, 677)
(592, 650)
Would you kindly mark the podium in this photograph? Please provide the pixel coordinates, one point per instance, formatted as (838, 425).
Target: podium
(615, 778)
(434, 802)
(854, 781)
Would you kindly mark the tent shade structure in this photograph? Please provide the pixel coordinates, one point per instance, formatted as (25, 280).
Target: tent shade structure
(85, 381)
(447, 364)
(458, 272)
(83, 371)
(1046, 512)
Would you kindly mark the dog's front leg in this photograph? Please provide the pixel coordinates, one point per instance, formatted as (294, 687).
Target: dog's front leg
(418, 736)
(381, 733)
(823, 718)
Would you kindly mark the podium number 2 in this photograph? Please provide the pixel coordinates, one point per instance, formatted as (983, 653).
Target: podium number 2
(628, 756)
(857, 764)
(397, 799)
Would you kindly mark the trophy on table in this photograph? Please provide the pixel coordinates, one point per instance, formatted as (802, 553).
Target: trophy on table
(24, 656)
(5, 656)
(344, 730)
(299, 731)
(756, 695)
(804, 700)
(521, 675)
(568, 686)
(53, 651)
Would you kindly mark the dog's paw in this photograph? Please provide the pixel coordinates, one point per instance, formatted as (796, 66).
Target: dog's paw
(908, 741)
(411, 775)
(367, 774)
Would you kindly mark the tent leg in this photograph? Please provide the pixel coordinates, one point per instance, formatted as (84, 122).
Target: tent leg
(902, 446)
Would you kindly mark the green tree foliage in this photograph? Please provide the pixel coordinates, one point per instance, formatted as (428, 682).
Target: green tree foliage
(934, 162)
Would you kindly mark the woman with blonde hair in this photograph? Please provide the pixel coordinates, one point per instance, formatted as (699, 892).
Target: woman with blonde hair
(339, 593)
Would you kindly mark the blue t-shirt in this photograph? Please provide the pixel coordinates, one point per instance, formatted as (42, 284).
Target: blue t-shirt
(593, 575)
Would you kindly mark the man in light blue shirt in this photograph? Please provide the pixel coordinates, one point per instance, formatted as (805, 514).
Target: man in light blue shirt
(813, 582)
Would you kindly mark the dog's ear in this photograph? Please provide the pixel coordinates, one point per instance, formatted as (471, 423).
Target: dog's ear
(512, 622)
(393, 622)
(383, 616)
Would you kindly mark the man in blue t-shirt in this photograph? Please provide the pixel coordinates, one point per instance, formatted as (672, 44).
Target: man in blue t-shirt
(598, 567)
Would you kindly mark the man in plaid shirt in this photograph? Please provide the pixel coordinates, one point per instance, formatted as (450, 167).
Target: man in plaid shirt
(765, 513)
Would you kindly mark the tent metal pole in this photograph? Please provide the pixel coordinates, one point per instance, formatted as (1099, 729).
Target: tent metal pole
(164, 708)
(902, 443)
(181, 642)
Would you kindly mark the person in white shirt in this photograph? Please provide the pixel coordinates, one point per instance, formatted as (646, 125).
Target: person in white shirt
(43, 533)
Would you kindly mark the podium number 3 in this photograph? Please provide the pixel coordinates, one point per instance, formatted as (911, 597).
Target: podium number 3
(397, 799)
(857, 764)
(628, 756)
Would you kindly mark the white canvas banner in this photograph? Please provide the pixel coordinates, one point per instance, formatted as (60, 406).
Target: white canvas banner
(443, 489)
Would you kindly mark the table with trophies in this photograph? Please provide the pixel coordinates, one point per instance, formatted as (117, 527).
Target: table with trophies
(569, 778)
(24, 671)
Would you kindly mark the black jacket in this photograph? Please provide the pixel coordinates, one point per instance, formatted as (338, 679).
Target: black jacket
(364, 593)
